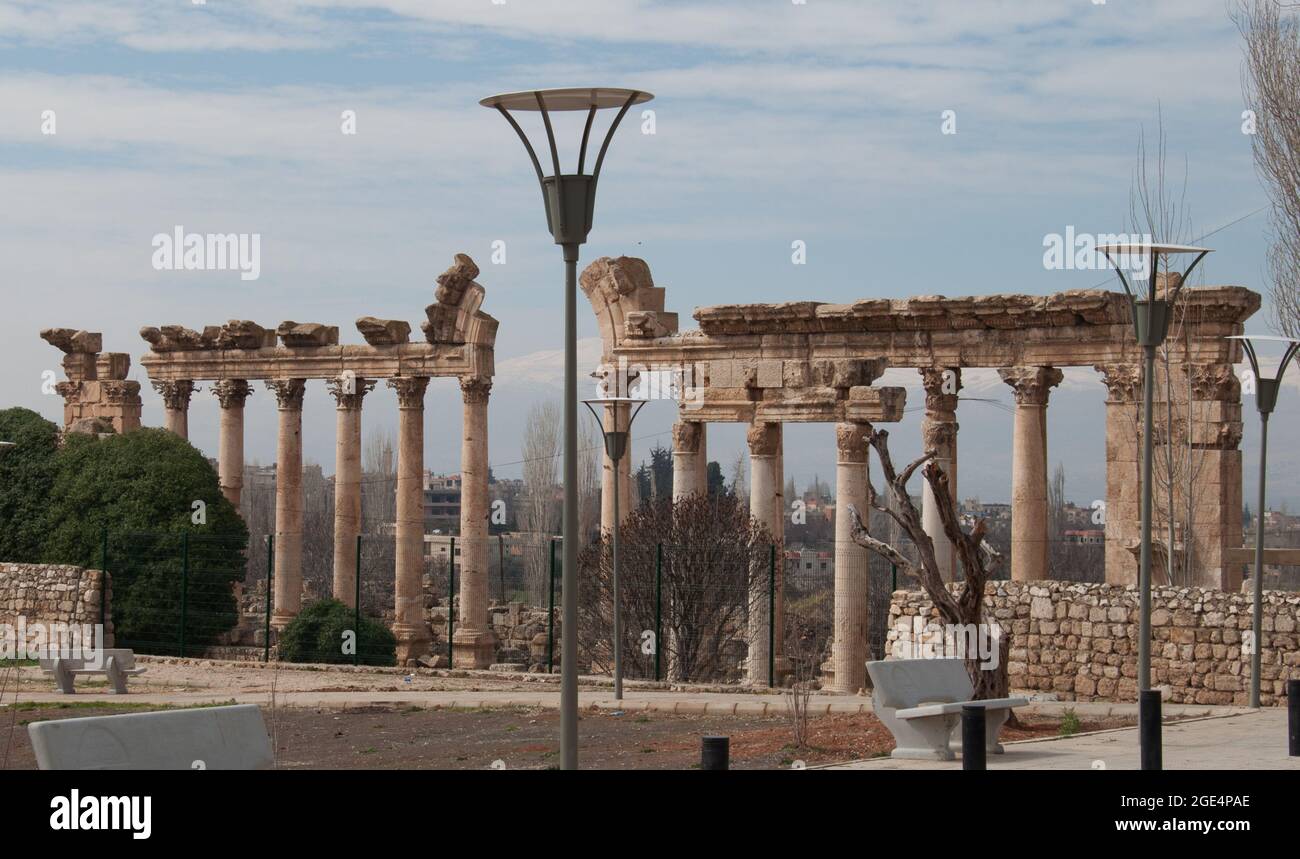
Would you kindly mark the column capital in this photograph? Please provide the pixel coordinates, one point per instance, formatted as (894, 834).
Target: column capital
(475, 389)
(1214, 382)
(118, 392)
(176, 395)
(348, 391)
(686, 436)
(764, 438)
(288, 392)
(941, 386)
(410, 390)
(1123, 381)
(232, 393)
(851, 442)
(1031, 384)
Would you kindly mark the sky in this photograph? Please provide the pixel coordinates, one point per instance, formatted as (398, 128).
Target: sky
(774, 122)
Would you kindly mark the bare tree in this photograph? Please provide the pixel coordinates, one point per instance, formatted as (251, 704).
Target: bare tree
(379, 485)
(965, 606)
(1271, 84)
(539, 516)
(590, 461)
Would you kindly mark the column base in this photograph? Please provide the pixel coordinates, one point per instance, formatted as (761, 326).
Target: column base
(474, 649)
(412, 642)
(280, 621)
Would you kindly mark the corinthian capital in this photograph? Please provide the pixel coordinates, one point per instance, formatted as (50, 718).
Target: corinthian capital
(410, 391)
(232, 393)
(686, 436)
(1123, 381)
(176, 395)
(348, 391)
(475, 389)
(1031, 384)
(288, 392)
(764, 439)
(851, 441)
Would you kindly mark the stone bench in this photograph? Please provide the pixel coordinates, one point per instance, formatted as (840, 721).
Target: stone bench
(116, 664)
(213, 738)
(920, 701)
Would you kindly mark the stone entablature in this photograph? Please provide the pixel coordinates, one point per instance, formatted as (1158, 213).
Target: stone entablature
(1079, 641)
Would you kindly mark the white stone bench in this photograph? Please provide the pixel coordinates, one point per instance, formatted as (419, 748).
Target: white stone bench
(920, 701)
(117, 665)
(214, 738)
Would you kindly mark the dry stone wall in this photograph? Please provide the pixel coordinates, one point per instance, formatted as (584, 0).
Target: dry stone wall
(52, 593)
(1079, 641)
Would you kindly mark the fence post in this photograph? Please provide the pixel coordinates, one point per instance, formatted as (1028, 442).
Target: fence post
(356, 612)
(451, 597)
(185, 584)
(550, 617)
(270, 576)
(501, 565)
(103, 586)
(771, 617)
(893, 578)
(659, 604)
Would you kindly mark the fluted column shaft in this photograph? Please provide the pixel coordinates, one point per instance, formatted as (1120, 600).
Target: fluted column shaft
(939, 433)
(474, 644)
(288, 501)
(231, 394)
(1029, 515)
(851, 644)
(409, 626)
(764, 479)
(348, 393)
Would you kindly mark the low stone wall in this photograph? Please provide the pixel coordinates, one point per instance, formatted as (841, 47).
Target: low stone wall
(53, 593)
(1079, 641)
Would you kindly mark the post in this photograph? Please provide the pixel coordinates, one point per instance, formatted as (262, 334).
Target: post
(715, 753)
(185, 584)
(1149, 726)
(659, 604)
(1257, 622)
(103, 585)
(550, 617)
(451, 598)
(270, 580)
(1293, 717)
(771, 617)
(1144, 570)
(356, 607)
(569, 663)
(973, 738)
(501, 565)
(618, 604)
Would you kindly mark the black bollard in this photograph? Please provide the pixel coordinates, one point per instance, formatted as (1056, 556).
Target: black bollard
(714, 753)
(973, 739)
(1293, 716)
(1149, 729)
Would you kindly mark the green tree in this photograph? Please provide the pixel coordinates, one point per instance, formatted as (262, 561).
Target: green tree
(320, 632)
(26, 478)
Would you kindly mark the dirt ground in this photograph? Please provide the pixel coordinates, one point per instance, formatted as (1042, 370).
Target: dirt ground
(518, 738)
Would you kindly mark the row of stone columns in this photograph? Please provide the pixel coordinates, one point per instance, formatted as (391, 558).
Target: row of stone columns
(473, 642)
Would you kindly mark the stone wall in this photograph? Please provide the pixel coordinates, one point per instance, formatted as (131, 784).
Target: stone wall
(53, 593)
(1079, 641)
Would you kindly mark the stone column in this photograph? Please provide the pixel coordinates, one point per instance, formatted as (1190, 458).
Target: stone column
(231, 394)
(1215, 466)
(615, 418)
(1029, 519)
(939, 433)
(1123, 470)
(348, 393)
(474, 644)
(764, 484)
(409, 626)
(688, 451)
(288, 501)
(780, 511)
(851, 645)
(176, 405)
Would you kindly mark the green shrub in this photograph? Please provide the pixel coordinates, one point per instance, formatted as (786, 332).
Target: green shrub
(26, 478)
(317, 635)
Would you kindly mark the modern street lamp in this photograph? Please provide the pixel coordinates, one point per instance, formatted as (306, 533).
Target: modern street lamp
(1266, 391)
(615, 448)
(570, 201)
(1151, 314)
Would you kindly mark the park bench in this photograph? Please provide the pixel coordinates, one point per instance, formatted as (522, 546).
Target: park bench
(117, 664)
(920, 701)
(214, 738)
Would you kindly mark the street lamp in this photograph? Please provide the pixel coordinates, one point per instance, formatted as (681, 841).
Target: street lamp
(570, 200)
(615, 447)
(1266, 391)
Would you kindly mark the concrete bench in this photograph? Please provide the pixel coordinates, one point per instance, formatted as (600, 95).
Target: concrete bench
(920, 701)
(117, 664)
(214, 738)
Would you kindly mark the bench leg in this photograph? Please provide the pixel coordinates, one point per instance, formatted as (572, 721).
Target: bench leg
(924, 739)
(993, 722)
(116, 679)
(63, 677)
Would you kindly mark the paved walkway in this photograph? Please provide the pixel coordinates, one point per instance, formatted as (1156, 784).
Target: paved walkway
(1249, 740)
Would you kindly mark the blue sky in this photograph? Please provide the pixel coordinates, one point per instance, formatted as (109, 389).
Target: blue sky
(774, 122)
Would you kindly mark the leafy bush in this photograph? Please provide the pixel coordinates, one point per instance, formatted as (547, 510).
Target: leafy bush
(26, 477)
(317, 635)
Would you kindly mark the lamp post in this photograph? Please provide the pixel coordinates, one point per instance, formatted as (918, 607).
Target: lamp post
(1266, 391)
(570, 200)
(615, 448)
(1151, 313)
